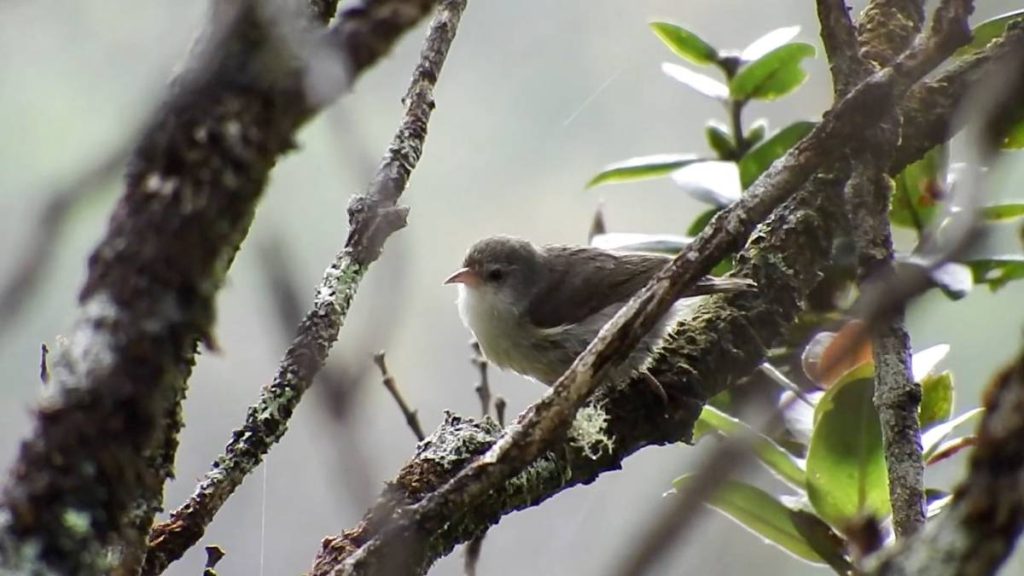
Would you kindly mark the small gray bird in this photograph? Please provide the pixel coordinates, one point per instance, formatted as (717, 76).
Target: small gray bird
(535, 309)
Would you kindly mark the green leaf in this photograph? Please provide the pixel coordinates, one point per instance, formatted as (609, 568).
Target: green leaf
(720, 140)
(846, 474)
(762, 514)
(987, 31)
(642, 168)
(755, 162)
(701, 221)
(772, 75)
(757, 133)
(1000, 212)
(997, 271)
(936, 399)
(917, 190)
(773, 456)
(1014, 139)
(931, 439)
(684, 43)
(702, 84)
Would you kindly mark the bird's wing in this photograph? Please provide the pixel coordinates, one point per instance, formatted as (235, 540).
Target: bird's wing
(582, 281)
(595, 280)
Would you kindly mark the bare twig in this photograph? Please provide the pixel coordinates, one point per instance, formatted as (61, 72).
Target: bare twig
(44, 368)
(472, 555)
(499, 410)
(483, 387)
(411, 419)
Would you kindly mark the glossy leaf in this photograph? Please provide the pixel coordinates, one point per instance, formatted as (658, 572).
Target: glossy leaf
(757, 132)
(917, 191)
(846, 474)
(1001, 212)
(773, 456)
(720, 140)
(768, 42)
(713, 181)
(762, 514)
(988, 31)
(936, 400)
(641, 168)
(924, 362)
(627, 242)
(702, 84)
(755, 162)
(775, 74)
(997, 271)
(933, 438)
(684, 43)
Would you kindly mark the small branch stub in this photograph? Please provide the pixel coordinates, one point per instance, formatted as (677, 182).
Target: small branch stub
(389, 382)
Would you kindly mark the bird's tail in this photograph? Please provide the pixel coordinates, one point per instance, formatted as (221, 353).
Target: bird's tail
(712, 285)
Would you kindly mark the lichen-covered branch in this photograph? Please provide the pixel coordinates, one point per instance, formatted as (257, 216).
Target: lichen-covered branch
(92, 472)
(980, 527)
(707, 354)
(373, 217)
(887, 27)
(410, 528)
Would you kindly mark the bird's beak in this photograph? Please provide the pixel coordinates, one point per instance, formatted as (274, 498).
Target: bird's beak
(464, 276)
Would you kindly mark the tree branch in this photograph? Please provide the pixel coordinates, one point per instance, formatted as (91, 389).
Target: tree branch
(373, 217)
(978, 530)
(92, 473)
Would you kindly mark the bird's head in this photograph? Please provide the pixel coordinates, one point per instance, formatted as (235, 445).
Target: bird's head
(505, 271)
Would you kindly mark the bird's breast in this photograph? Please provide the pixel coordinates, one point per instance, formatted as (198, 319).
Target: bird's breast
(508, 340)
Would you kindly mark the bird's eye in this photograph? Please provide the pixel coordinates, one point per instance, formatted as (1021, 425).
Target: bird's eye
(495, 275)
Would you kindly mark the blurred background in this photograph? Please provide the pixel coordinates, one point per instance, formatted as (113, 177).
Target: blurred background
(535, 97)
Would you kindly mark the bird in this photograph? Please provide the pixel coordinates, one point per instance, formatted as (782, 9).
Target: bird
(534, 309)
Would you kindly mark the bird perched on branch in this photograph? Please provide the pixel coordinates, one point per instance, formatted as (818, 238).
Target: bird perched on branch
(534, 309)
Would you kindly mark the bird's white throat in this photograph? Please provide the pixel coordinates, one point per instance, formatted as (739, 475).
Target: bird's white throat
(504, 335)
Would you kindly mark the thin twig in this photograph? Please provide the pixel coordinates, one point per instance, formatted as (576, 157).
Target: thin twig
(483, 386)
(44, 368)
(388, 380)
(499, 410)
